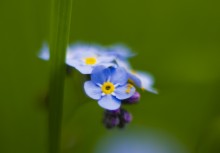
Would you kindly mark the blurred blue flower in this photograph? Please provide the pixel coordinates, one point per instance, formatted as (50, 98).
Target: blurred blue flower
(109, 86)
(138, 139)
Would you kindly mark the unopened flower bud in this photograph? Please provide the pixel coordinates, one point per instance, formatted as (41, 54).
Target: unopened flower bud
(113, 112)
(111, 122)
(127, 117)
(119, 118)
(133, 99)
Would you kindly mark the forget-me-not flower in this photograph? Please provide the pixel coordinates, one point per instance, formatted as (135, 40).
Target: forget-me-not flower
(84, 58)
(109, 86)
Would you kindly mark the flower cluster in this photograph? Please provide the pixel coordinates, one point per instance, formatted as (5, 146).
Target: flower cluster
(118, 117)
(112, 81)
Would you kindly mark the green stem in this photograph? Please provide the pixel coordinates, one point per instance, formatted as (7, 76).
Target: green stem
(60, 27)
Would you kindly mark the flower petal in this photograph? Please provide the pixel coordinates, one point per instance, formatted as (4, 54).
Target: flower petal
(123, 63)
(83, 49)
(84, 69)
(119, 76)
(106, 59)
(120, 51)
(109, 102)
(100, 74)
(147, 81)
(92, 90)
(124, 92)
(71, 62)
(107, 65)
(134, 79)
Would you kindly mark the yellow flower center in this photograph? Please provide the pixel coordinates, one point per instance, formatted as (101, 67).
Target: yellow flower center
(108, 88)
(90, 60)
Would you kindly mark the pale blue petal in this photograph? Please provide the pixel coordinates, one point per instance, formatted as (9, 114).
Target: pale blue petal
(107, 65)
(120, 51)
(119, 76)
(72, 62)
(92, 90)
(83, 49)
(135, 79)
(85, 54)
(123, 63)
(124, 92)
(106, 59)
(151, 89)
(79, 55)
(70, 54)
(109, 102)
(77, 64)
(84, 69)
(79, 47)
(44, 53)
(147, 81)
(100, 74)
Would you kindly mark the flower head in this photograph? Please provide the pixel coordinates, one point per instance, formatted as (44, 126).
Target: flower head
(109, 86)
(84, 58)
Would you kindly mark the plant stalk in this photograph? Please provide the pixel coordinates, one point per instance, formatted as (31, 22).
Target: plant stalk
(59, 36)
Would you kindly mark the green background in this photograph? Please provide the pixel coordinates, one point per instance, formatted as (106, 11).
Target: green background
(177, 41)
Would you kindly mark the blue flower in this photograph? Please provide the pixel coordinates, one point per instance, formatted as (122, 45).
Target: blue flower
(84, 58)
(109, 86)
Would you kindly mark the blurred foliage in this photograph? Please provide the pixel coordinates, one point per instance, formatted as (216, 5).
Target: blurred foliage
(177, 41)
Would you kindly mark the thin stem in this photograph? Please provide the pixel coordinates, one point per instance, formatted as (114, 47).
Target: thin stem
(60, 27)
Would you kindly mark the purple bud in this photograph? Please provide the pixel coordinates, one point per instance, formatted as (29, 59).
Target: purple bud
(133, 99)
(111, 122)
(119, 118)
(127, 117)
(113, 112)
